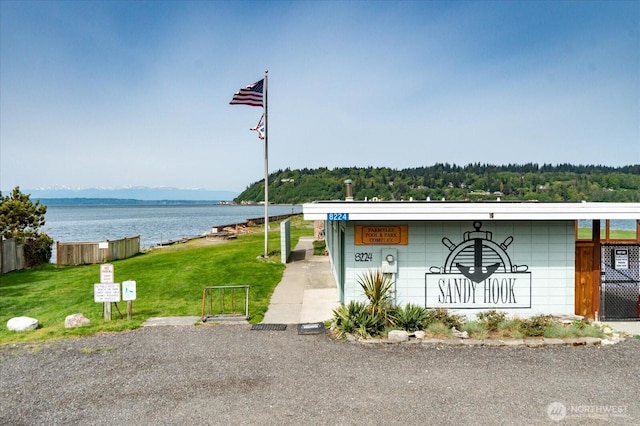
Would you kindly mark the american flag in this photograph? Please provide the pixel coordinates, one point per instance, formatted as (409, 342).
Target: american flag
(250, 95)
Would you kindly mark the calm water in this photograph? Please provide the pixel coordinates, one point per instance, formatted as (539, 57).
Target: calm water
(154, 224)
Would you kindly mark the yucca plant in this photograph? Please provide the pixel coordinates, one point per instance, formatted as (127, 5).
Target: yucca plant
(345, 318)
(410, 317)
(369, 323)
(377, 289)
(356, 318)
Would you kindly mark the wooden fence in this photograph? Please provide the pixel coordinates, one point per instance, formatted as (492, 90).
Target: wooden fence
(100, 252)
(11, 255)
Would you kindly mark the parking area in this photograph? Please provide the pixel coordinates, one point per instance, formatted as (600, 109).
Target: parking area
(214, 374)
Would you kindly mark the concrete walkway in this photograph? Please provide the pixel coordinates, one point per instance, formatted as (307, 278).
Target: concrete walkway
(307, 292)
(631, 328)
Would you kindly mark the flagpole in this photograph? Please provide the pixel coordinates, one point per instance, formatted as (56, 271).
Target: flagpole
(266, 168)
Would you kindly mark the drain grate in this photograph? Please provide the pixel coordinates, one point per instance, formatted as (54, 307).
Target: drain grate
(272, 327)
(311, 328)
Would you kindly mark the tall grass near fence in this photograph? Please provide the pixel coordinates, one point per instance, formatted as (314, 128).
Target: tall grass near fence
(169, 282)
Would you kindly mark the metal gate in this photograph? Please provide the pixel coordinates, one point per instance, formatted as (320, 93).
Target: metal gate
(620, 282)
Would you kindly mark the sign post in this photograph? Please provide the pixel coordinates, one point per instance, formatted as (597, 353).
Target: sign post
(103, 293)
(106, 293)
(129, 294)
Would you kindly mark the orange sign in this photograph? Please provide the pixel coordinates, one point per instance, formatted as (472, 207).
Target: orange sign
(382, 235)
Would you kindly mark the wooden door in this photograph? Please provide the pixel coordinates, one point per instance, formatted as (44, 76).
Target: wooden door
(587, 275)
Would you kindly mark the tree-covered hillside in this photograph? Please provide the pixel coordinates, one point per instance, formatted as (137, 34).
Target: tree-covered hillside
(475, 182)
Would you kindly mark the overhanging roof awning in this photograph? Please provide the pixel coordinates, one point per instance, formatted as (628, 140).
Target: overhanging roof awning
(451, 210)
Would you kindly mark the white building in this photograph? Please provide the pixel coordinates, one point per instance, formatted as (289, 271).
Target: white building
(519, 257)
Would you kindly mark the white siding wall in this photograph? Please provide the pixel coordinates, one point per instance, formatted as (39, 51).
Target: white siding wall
(547, 248)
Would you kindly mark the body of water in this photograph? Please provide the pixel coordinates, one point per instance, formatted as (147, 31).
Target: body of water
(617, 224)
(154, 223)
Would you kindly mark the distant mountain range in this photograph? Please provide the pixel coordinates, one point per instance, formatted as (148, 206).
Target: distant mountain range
(132, 193)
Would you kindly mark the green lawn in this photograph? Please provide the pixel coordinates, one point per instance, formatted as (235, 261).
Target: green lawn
(169, 282)
(615, 234)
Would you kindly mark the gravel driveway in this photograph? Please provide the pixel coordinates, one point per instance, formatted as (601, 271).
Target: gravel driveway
(216, 375)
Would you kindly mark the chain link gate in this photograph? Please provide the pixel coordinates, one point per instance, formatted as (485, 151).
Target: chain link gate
(620, 282)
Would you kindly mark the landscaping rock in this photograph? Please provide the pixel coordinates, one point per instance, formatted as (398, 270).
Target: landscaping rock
(419, 334)
(611, 340)
(76, 320)
(398, 336)
(22, 324)
(459, 334)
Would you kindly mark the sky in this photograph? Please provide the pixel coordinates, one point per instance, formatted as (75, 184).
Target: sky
(136, 93)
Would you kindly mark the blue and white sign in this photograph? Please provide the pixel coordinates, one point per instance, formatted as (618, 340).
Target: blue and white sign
(338, 216)
(128, 290)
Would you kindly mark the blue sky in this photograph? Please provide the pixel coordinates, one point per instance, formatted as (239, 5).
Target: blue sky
(119, 93)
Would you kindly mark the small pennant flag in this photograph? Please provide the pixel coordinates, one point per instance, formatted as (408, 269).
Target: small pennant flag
(259, 128)
(250, 95)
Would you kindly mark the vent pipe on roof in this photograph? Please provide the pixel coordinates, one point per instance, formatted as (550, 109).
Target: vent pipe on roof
(347, 190)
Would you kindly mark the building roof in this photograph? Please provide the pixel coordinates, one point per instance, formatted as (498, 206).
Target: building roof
(452, 210)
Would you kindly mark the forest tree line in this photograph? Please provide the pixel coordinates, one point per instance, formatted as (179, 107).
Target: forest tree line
(473, 182)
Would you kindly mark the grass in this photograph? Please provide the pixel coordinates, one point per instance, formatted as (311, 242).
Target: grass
(319, 247)
(614, 234)
(439, 330)
(169, 282)
(476, 330)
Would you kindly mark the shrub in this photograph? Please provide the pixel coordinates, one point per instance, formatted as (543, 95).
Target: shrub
(356, 318)
(510, 329)
(443, 316)
(492, 319)
(37, 250)
(377, 289)
(559, 331)
(438, 329)
(344, 318)
(319, 247)
(591, 331)
(536, 326)
(476, 330)
(579, 324)
(369, 324)
(410, 317)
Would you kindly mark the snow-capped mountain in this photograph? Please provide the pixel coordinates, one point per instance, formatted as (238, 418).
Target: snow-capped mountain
(132, 193)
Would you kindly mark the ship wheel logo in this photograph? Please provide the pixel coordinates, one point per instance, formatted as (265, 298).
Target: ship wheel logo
(478, 257)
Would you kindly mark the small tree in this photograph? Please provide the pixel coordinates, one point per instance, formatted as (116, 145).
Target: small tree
(21, 218)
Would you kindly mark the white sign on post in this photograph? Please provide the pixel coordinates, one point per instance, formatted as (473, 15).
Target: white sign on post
(106, 273)
(128, 290)
(106, 293)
